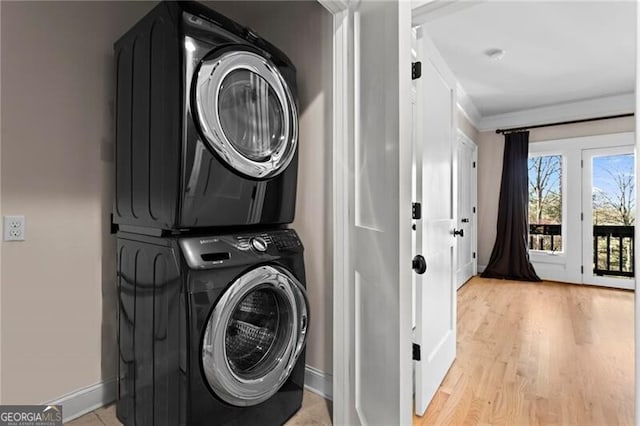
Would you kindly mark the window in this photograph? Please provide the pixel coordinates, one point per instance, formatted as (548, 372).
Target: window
(545, 203)
(613, 211)
(585, 206)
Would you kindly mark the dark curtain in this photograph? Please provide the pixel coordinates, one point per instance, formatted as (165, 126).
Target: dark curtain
(510, 255)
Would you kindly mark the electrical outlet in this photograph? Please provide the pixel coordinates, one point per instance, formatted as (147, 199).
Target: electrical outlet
(14, 227)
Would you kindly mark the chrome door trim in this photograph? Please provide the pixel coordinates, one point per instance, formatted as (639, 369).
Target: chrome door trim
(228, 385)
(209, 79)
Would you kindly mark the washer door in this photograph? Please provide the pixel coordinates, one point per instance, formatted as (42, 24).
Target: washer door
(246, 112)
(255, 335)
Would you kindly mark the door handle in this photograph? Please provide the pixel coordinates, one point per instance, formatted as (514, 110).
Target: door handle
(465, 220)
(418, 264)
(459, 232)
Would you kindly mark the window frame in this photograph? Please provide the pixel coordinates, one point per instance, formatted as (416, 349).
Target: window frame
(563, 192)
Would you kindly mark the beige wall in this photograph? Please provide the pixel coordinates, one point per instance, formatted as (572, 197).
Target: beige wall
(58, 304)
(303, 30)
(490, 150)
(57, 319)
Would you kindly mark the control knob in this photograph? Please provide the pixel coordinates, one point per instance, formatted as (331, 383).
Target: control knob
(259, 244)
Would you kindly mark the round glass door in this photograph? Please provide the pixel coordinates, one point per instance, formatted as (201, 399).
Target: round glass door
(255, 335)
(246, 113)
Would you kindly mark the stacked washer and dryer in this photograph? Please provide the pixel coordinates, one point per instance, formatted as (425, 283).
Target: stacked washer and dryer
(213, 313)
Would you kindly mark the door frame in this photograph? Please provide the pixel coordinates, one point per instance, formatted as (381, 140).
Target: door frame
(343, 180)
(463, 138)
(342, 123)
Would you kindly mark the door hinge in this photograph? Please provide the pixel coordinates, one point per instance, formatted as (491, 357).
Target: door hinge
(474, 254)
(581, 269)
(416, 352)
(416, 211)
(581, 163)
(581, 216)
(474, 164)
(474, 209)
(416, 70)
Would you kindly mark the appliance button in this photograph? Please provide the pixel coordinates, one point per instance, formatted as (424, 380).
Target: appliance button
(259, 244)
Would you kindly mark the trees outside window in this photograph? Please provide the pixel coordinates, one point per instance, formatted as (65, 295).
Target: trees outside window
(613, 190)
(545, 202)
(613, 207)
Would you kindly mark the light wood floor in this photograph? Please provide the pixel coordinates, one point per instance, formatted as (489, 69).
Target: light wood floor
(539, 353)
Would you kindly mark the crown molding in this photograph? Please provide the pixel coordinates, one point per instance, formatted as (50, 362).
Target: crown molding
(335, 6)
(608, 105)
(467, 107)
(424, 11)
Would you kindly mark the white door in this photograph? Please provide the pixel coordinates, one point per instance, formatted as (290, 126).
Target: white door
(608, 207)
(373, 339)
(435, 331)
(466, 195)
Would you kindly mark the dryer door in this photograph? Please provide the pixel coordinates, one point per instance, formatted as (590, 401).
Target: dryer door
(246, 112)
(254, 336)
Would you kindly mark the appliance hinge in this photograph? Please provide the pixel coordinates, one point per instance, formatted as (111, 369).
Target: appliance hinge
(474, 254)
(416, 211)
(474, 209)
(114, 226)
(416, 70)
(582, 269)
(416, 352)
(474, 164)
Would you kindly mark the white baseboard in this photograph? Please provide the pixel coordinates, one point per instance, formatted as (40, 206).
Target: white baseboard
(85, 400)
(481, 268)
(318, 382)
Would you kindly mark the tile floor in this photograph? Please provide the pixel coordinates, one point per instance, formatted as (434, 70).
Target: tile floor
(315, 411)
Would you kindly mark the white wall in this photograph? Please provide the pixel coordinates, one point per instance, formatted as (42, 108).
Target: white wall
(490, 150)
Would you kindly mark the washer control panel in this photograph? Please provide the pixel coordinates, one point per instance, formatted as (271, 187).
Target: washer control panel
(286, 240)
(206, 252)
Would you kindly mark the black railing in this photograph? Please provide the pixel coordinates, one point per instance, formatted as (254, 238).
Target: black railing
(613, 246)
(545, 237)
(613, 250)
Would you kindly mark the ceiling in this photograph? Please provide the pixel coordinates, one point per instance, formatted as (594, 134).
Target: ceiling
(556, 53)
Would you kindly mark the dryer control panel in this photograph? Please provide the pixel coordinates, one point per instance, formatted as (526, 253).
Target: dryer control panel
(215, 251)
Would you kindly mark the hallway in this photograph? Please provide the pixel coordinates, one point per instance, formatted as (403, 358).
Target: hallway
(539, 353)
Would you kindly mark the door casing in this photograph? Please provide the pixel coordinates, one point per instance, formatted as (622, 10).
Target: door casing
(469, 211)
(343, 124)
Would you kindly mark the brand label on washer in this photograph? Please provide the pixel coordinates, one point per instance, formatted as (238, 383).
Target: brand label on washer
(209, 241)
